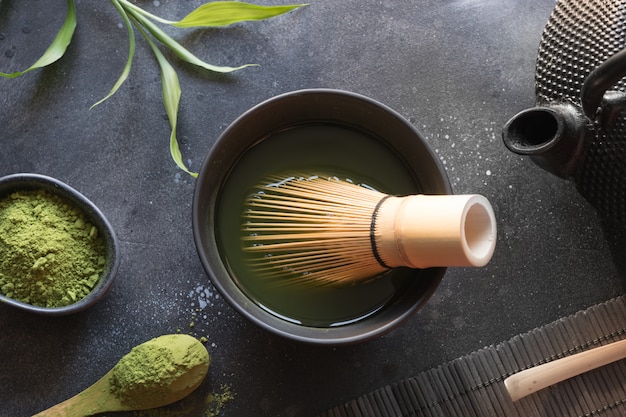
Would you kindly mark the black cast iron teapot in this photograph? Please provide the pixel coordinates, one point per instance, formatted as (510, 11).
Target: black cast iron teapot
(577, 129)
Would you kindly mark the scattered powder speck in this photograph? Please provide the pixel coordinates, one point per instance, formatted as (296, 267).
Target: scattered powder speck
(215, 402)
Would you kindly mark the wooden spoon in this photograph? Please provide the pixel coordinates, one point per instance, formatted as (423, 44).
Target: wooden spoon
(154, 390)
(539, 377)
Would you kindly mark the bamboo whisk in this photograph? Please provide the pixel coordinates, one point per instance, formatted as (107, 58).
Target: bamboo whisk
(323, 230)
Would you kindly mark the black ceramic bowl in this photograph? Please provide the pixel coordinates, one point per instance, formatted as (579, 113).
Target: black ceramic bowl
(20, 182)
(289, 131)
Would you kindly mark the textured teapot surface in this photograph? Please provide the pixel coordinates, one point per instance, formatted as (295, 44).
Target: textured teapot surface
(578, 127)
(580, 36)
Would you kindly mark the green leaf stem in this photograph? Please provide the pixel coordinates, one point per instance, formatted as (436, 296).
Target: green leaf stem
(177, 48)
(131, 54)
(171, 99)
(58, 46)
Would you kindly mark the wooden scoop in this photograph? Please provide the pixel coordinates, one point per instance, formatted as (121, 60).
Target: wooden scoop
(539, 377)
(100, 397)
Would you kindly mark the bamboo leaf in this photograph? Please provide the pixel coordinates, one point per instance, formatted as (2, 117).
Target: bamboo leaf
(177, 48)
(171, 100)
(219, 13)
(58, 46)
(224, 13)
(131, 54)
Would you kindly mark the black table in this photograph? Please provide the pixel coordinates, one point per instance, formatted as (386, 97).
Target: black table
(457, 70)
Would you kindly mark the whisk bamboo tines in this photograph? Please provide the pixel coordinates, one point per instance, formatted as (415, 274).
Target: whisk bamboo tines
(325, 230)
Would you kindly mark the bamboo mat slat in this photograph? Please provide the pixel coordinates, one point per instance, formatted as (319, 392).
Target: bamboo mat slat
(473, 385)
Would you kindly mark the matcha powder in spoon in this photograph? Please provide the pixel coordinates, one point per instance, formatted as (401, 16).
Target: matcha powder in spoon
(50, 255)
(159, 371)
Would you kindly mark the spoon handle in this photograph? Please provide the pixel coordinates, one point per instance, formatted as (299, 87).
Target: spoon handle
(534, 379)
(72, 407)
(95, 399)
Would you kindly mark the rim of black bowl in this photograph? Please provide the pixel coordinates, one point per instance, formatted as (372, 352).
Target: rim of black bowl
(279, 112)
(28, 181)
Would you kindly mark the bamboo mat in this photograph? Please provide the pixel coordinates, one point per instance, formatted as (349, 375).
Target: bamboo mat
(473, 385)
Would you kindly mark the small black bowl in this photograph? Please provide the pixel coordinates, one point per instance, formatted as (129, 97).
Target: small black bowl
(325, 108)
(24, 182)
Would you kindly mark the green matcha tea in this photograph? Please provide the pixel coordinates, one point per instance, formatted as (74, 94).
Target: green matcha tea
(323, 148)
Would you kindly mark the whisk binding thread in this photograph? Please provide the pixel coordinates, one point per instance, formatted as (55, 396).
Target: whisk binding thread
(373, 233)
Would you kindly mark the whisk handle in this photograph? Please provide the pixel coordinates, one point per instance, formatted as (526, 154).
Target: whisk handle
(422, 231)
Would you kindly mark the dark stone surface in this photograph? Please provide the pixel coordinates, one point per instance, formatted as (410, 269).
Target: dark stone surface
(456, 69)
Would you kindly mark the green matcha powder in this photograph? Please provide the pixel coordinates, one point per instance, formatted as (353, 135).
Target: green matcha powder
(50, 256)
